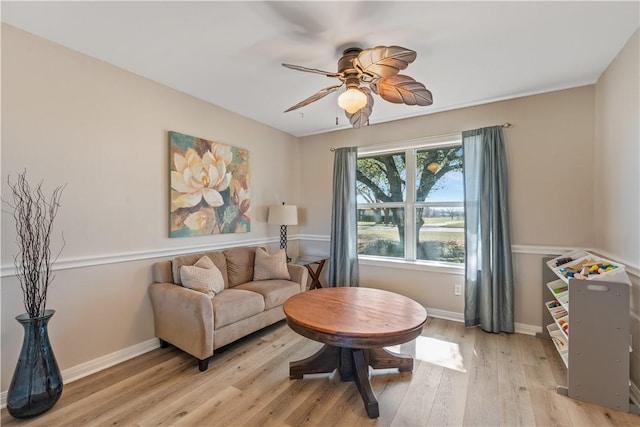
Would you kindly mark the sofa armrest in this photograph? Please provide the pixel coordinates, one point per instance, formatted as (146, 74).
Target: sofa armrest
(299, 274)
(183, 317)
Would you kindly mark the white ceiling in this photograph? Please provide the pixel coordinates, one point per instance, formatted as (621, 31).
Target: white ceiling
(229, 53)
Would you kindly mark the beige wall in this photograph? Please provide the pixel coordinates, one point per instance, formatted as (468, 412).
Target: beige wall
(550, 150)
(617, 150)
(550, 153)
(617, 171)
(68, 118)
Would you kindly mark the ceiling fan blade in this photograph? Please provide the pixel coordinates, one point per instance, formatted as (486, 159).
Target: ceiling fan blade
(312, 70)
(384, 61)
(401, 89)
(318, 95)
(361, 117)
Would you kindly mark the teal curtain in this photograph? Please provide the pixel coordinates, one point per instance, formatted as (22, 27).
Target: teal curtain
(343, 258)
(488, 267)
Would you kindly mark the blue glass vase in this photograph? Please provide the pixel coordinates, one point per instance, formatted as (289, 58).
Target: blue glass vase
(37, 384)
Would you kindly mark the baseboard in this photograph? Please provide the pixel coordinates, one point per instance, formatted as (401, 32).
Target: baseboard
(446, 315)
(520, 328)
(104, 362)
(525, 329)
(84, 369)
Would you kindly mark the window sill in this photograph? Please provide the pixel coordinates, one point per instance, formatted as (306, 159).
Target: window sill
(432, 266)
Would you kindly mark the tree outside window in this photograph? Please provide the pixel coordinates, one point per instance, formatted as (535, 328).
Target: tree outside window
(411, 204)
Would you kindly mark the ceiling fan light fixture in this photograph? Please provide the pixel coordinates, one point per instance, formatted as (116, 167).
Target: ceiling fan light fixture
(352, 100)
(378, 68)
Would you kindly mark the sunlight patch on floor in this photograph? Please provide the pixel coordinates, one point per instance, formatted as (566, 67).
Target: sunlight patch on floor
(431, 350)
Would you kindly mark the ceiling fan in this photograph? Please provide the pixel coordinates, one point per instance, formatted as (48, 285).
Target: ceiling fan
(378, 67)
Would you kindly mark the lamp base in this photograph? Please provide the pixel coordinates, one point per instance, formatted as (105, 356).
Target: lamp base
(283, 241)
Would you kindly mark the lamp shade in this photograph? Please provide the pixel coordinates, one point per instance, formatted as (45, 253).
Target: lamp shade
(283, 215)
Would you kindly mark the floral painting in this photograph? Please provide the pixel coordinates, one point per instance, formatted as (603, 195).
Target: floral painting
(209, 187)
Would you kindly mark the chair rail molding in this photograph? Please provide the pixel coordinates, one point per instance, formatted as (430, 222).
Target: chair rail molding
(630, 267)
(116, 258)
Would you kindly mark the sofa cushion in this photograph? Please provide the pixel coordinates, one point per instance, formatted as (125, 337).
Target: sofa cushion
(217, 257)
(240, 265)
(232, 305)
(274, 292)
(271, 266)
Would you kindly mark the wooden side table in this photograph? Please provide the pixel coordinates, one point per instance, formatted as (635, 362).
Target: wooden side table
(309, 261)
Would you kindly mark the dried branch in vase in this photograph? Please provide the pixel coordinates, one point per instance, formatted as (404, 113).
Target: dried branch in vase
(34, 214)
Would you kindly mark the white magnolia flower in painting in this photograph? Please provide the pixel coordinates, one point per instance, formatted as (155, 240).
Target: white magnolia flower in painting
(202, 221)
(198, 178)
(222, 152)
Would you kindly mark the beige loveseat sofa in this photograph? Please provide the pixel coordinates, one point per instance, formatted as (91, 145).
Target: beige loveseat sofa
(199, 324)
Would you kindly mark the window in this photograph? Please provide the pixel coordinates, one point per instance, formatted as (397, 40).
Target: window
(411, 203)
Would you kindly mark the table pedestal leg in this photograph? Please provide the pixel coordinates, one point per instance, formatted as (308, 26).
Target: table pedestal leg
(380, 358)
(324, 361)
(364, 385)
(353, 365)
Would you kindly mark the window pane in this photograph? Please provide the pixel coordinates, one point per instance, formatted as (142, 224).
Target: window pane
(439, 175)
(441, 236)
(381, 178)
(381, 232)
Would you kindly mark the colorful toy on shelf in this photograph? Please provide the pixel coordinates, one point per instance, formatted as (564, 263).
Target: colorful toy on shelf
(561, 261)
(556, 309)
(586, 268)
(561, 289)
(555, 303)
(564, 325)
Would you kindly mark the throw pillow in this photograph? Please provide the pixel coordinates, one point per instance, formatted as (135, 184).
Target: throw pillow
(203, 277)
(271, 266)
(204, 262)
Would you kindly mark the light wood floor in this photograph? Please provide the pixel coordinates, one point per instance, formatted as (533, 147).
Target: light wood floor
(462, 376)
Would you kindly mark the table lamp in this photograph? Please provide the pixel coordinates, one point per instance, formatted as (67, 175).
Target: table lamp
(283, 215)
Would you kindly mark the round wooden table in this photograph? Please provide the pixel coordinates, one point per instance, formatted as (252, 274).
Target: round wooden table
(354, 324)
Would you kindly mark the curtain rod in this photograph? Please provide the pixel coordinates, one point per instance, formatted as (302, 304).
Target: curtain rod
(504, 125)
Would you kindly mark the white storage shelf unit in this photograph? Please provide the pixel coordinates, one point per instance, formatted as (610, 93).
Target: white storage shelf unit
(597, 360)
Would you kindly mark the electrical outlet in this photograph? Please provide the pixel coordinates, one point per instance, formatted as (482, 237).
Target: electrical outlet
(457, 289)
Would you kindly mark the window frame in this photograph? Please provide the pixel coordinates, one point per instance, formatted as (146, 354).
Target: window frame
(410, 149)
